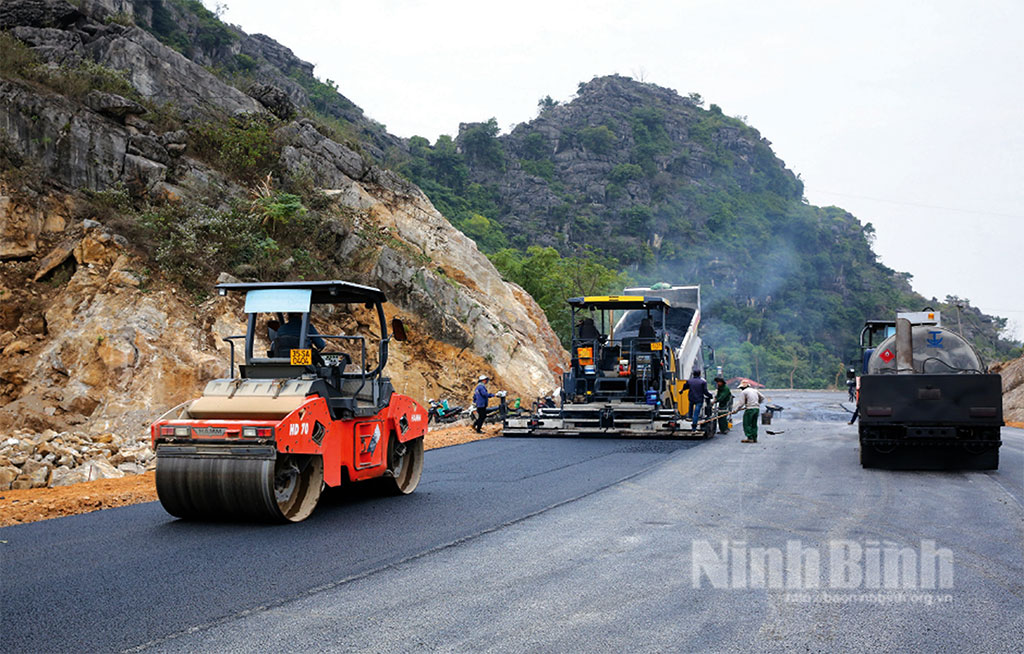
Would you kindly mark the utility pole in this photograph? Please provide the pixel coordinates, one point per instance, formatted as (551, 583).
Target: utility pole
(959, 325)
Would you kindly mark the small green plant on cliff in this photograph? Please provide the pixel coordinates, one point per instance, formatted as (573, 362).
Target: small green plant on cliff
(623, 173)
(535, 146)
(107, 205)
(546, 104)
(120, 18)
(15, 57)
(77, 81)
(242, 146)
(323, 95)
(543, 168)
(274, 209)
(599, 139)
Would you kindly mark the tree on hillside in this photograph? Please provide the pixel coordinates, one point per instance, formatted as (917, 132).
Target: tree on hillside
(481, 146)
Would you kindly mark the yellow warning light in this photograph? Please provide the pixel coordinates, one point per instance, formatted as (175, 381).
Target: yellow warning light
(931, 316)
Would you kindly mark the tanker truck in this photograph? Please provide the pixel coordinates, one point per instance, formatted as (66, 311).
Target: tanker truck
(925, 399)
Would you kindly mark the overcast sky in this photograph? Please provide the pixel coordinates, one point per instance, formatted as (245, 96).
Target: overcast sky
(908, 114)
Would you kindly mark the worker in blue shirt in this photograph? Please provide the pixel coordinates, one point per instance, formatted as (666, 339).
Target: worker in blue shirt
(698, 393)
(480, 398)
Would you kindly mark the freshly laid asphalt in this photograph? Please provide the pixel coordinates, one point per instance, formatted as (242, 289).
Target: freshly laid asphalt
(547, 545)
(119, 578)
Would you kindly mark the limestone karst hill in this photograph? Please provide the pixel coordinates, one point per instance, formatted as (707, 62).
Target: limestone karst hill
(669, 189)
(132, 177)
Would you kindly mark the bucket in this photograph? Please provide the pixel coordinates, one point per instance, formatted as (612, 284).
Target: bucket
(766, 418)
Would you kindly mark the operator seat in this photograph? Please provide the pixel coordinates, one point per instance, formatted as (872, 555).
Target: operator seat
(588, 330)
(284, 344)
(646, 329)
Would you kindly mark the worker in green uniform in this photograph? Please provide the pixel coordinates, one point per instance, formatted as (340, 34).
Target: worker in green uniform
(723, 396)
(750, 404)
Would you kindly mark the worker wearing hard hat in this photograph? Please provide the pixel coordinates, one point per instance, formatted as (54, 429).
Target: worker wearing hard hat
(480, 398)
(750, 402)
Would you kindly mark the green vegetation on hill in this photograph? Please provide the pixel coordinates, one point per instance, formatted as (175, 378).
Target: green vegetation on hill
(199, 34)
(665, 190)
(551, 278)
(443, 174)
(209, 33)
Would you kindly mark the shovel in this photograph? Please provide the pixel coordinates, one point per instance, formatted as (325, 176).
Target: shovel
(716, 417)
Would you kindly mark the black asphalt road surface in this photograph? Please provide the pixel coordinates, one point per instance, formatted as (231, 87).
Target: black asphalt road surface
(121, 578)
(555, 545)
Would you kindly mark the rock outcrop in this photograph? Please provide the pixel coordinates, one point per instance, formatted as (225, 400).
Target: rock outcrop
(1012, 373)
(97, 344)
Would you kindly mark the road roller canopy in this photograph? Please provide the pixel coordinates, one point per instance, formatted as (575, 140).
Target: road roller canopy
(283, 352)
(318, 292)
(617, 302)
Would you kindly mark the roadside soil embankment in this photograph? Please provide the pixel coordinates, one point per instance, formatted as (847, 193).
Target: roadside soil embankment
(1012, 373)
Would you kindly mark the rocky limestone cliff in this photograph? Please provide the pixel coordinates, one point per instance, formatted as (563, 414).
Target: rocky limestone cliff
(97, 343)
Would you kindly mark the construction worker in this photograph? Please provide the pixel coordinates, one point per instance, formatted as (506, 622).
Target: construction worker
(723, 397)
(750, 402)
(698, 393)
(480, 398)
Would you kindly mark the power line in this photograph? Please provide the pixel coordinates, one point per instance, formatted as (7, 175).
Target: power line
(924, 206)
